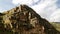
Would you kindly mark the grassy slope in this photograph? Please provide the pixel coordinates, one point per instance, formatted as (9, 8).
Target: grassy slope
(56, 25)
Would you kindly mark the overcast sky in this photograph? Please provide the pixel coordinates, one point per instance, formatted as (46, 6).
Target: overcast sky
(48, 9)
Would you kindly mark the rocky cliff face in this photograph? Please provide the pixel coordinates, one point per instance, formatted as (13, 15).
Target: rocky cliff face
(24, 20)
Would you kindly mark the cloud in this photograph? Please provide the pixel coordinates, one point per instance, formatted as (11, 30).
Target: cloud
(46, 8)
(1, 9)
(27, 2)
(55, 16)
(22, 2)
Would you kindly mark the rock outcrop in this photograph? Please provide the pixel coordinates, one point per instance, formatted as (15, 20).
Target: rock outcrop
(24, 20)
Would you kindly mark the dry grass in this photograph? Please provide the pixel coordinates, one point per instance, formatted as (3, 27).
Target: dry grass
(56, 25)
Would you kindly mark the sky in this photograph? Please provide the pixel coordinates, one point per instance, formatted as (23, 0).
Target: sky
(48, 9)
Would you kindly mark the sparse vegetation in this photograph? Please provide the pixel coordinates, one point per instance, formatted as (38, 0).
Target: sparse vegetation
(56, 25)
(25, 21)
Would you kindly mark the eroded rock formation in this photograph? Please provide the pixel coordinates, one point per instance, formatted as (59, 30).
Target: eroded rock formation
(24, 20)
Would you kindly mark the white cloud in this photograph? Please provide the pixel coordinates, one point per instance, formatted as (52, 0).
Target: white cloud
(22, 2)
(1, 10)
(55, 16)
(44, 5)
(27, 2)
(46, 8)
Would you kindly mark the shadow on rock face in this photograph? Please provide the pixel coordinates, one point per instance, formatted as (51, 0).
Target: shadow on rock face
(24, 20)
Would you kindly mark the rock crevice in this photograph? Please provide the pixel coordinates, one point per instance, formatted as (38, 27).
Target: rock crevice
(24, 20)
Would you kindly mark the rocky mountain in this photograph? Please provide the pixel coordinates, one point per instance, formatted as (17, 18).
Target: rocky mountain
(24, 20)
